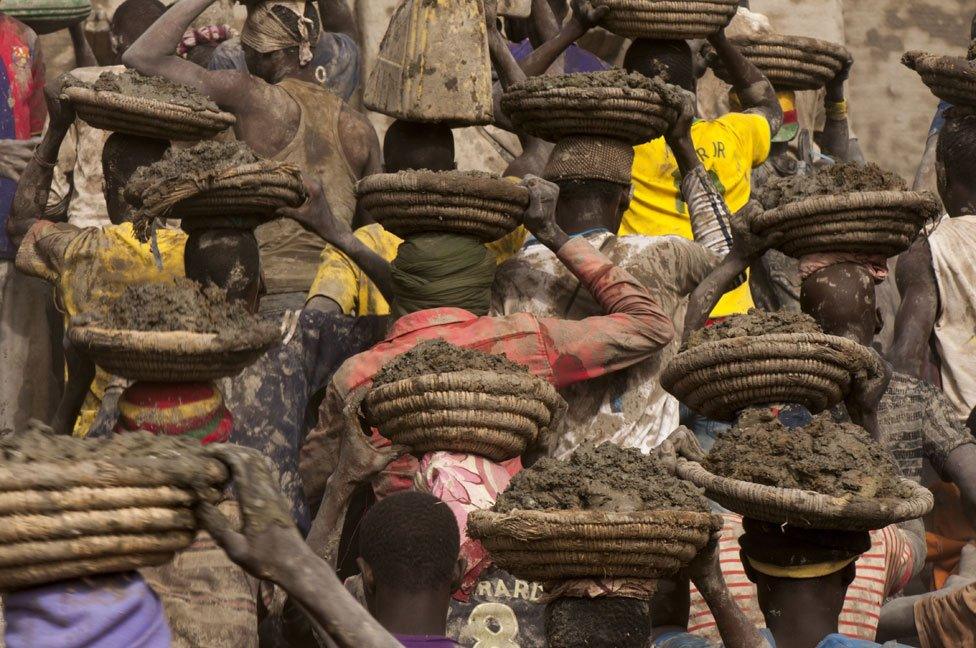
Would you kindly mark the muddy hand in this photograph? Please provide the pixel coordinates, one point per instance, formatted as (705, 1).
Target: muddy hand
(61, 112)
(15, 155)
(869, 385)
(315, 214)
(686, 116)
(587, 13)
(359, 459)
(706, 563)
(540, 216)
(745, 241)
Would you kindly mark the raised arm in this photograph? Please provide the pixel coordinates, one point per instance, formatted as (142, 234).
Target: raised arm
(918, 312)
(337, 17)
(836, 137)
(754, 90)
(585, 17)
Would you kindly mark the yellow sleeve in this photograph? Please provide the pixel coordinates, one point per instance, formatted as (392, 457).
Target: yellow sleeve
(42, 252)
(341, 280)
(753, 133)
(509, 245)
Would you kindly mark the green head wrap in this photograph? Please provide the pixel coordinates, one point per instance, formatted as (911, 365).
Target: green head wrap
(435, 270)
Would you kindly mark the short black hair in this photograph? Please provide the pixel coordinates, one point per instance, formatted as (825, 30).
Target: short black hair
(411, 542)
(409, 146)
(133, 17)
(671, 59)
(605, 622)
(290, 20)
(957, 144)
(121, 155)
(227, 258)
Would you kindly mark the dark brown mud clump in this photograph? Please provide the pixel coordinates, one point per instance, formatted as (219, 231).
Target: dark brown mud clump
(203, 158)
(598, 80)
(133, 84)
(437, 356)
(829, 181)
(602, 478)
(35, 446)
(824, 456)
(755, 322)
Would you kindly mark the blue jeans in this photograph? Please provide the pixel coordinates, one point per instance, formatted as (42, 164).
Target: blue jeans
(705, 429)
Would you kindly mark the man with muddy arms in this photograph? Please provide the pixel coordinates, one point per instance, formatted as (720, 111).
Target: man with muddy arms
(281, 117)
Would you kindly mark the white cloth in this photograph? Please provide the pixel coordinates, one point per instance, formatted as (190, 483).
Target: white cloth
(953, 245)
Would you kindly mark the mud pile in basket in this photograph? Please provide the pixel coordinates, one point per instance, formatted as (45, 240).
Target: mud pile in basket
(133, 84)
(829, 181)
(71, 507)
(440, 397)
(755, 322)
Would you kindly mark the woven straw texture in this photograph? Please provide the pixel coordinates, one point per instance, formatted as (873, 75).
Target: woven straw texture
(590, 158)
(673, 19)
(720, 378)
(870, 222)
(950, 78)
(632, 115)
(494, 415)
(245, 195)
(413, 202)
(47, 16)
(560, 545)
(144, 117)
(807, 508)
(789, 62)
(169, 356)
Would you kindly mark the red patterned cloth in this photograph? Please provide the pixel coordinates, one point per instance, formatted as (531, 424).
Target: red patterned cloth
(211, 34)
(179, 409)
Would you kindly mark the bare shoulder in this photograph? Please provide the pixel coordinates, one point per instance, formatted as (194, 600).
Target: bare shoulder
(915, 265)
(359, 140)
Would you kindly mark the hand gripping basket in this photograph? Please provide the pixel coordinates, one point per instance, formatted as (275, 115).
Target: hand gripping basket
(412, 202)
(47, 16)
(113, 111)
(950, 78)
(171, 356)
(720, 378)
(672, 19)
(561, 545)
(634, 115)
(807, 508)
(495, 415)
(870, 222)
(789, 62)
(71, 518)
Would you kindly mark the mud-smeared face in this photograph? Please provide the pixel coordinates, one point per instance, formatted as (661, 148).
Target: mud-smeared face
(272, 67)
(842, 299)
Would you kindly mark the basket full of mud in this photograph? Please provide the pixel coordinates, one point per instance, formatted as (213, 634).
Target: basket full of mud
(844, 208)
(71, 508)
(604, 512)
(441, 397)
(950, 78)
(472, 203)
(146, 106)
(764, 358)
(823, 475)
(789, 62)
(671, 19)
(615, 104)
(213, 184)
(174, 331)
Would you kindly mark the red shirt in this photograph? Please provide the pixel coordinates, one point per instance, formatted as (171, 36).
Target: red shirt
(561, 351)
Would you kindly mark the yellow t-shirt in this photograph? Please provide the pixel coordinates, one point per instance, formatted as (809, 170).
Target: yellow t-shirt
(92, 264)
(729, 148)
(342, 281)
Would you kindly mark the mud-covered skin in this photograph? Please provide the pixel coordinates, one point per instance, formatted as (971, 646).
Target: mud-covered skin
(753, 323)
(437, 356)
(829, 181)
(603, 478)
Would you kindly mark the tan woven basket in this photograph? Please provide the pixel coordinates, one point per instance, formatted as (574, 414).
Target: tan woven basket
(718, 379)
(495, 415)
(807, 508)
(633, 115)
(950, 78)
(116, 112)
(413, 202)
(870, 222)
(170, 356)
(789, 62)
(673, 19)
(560, 545)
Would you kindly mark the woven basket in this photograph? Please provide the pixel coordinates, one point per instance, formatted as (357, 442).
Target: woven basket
(633, 115)
(246, 195)
(170, 356)
(718, 379)
(950, 78)
(807, 508)
(672, 19)
(560, 545)
(870, 222)
(494, 415)
(116, 112)
(789, 62)
(47, 16)
(413, 202)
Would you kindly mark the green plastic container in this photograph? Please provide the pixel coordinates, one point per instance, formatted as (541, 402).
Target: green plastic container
(46, 16)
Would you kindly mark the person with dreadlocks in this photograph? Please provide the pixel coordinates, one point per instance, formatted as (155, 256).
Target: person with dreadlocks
(281, 116)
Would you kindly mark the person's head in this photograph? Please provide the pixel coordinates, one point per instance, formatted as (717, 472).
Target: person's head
(202, 53)
(227, 258)
(130, 20)
(593, 174)
(841, 297)
(955, 164)
(409, 548)
(585, 204)
(672, 58)
(122, 155)
(278, 42)
(605, 622)
(412, 146)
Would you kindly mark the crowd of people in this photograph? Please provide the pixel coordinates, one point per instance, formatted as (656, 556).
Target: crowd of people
(342, 538)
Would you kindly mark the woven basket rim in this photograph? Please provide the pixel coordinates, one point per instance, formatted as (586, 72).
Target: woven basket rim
(89, 96)
(855, 200)
(823, 508)
(802, 44)
(172, 342)
(574, 516)
(834, 341)
(447, 182)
